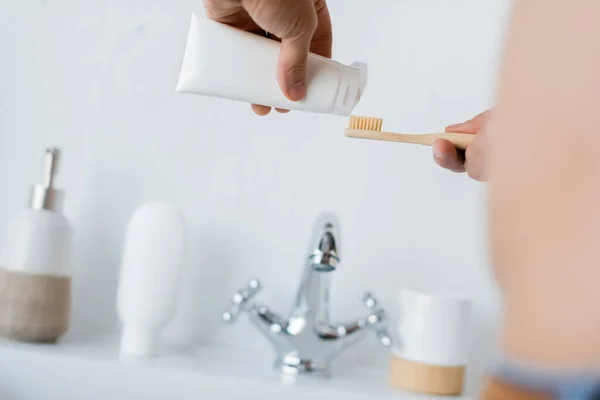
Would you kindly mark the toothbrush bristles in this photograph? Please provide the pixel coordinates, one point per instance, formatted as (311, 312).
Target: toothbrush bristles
(366, 123)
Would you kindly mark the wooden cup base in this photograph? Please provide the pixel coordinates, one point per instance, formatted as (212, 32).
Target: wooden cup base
(34, 308)
(425, 378)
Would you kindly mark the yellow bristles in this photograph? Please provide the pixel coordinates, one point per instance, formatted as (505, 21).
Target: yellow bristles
(366, 123)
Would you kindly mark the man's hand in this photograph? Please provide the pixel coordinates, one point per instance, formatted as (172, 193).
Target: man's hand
(473, 160)
(301, 25)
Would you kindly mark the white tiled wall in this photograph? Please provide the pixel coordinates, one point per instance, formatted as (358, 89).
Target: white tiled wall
(97, 79)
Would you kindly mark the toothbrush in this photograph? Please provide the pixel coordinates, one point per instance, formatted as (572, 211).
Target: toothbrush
(370, 128)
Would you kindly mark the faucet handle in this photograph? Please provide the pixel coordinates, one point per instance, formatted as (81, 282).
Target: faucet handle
(241, 298)
(376, 319)
(373, 304)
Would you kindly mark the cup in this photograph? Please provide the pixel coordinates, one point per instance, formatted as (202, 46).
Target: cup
(431, 343)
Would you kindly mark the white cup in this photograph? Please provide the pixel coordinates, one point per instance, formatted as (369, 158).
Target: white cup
(431, 342)
(432, 329)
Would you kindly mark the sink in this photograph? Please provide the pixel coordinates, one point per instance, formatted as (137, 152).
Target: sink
(75, 370)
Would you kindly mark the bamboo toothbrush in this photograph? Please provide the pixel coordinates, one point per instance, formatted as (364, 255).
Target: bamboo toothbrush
(370, 128)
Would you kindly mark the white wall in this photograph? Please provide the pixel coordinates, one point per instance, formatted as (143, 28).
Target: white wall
(97, 79)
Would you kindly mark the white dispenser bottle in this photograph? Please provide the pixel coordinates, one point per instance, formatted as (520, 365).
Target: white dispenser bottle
(35, 271)
(150, 276)
(221, 61)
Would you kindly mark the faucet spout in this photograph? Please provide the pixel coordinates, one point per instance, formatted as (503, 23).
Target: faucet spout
(324, 252)
(311, 305)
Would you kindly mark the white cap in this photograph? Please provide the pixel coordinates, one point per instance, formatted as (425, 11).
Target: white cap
(137, 341)
(352, 85)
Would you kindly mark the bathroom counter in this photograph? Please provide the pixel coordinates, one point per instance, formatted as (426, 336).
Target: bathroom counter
(94, 371)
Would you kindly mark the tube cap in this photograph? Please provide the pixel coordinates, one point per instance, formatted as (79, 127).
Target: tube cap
(137, 341)
(352, 85)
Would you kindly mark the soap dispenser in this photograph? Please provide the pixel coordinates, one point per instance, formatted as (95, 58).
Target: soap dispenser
(35, 274)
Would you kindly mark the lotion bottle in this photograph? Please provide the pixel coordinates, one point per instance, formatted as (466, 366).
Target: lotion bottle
(35, 270)
(150, 276)
(229, 63)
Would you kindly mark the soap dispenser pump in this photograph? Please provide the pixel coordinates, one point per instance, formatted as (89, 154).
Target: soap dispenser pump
(35, 273)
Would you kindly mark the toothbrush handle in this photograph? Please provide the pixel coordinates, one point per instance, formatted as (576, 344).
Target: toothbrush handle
(459, 140)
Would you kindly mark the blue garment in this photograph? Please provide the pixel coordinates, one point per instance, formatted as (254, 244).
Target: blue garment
(559, 384)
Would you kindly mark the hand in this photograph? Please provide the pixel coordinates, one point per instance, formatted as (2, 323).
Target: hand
(472, 160)
(301, 25)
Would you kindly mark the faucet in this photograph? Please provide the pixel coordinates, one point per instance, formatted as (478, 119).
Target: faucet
(307, 341)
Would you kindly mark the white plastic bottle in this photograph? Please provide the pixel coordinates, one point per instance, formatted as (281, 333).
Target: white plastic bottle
(35, 270)
(221, 61)
(150, 276)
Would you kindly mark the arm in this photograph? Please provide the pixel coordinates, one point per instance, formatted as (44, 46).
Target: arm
(545, 195)
(545, 190)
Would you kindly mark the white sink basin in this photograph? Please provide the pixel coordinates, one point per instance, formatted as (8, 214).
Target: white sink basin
(77, 371)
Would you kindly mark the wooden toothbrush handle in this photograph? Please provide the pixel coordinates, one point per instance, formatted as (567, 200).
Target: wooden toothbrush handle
(459, 140)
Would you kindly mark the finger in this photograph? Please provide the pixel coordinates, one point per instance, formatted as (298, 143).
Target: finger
(475, 169)
(282, 110)
(322, 40)
(230, 12)
(295, 22)
(261, 110)
(291, 71)
(475, 172)
(471, 126)
(475, 163)
(447, 156)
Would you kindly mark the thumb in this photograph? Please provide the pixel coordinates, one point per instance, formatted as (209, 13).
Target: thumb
(294, 22)
(291, 69)
(473, 125)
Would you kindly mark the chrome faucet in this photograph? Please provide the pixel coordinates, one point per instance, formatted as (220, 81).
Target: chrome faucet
(307, 341)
